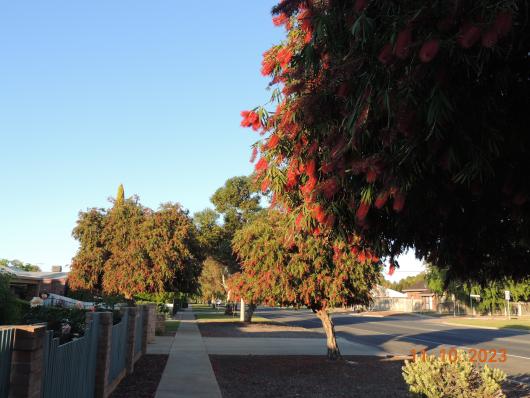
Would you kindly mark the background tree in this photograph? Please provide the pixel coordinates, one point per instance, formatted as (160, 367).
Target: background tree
(236, 202)
(20, 265)
(88, 264)
(404, 283)
(282, 266)
(211, 280)
(406, 124)
(130, 249)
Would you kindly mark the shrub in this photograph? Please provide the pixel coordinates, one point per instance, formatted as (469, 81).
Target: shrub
(437, 378)
(11, 308)
(64, 322)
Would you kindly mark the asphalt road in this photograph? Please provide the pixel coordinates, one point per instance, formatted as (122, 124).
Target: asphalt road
(400, 334)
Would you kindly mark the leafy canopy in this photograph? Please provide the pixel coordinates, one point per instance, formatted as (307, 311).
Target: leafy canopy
(280, 266)
(404, 123)
(130, 249)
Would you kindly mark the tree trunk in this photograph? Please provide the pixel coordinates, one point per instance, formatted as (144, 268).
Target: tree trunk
(249, 312)
(242, 310)
(333, 348)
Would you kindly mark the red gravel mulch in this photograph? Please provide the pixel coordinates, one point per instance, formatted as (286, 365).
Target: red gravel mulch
(144, 381)
(308, 376)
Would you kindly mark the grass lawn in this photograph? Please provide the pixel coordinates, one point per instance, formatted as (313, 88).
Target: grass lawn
(495, 323)
(172, 326)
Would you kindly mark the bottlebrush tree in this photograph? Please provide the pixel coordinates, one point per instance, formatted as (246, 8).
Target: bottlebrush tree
(405, 123)
(319, 271)
(130, 249)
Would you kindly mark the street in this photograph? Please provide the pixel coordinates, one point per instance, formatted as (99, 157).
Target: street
(400, 334)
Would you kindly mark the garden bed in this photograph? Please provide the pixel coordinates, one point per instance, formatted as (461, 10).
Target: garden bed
(308, 376)
(144, 381)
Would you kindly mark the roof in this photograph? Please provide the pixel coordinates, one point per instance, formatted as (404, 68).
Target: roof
(418, 287)
(33, 275)
(381, 291)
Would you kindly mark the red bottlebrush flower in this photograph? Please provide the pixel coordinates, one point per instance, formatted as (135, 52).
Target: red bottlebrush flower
(399, 202)
(292, 177)
(313, 148)
(490, 38)
(280, 20)
(503, 23)
(391, 269)
(254, 154)
(311, 169)
(269, 62)
(371, 176)
(385, 56)
(319, 213)
(429, 49)
(402, 49)
(299, 220)
(381, 199)
(284, 57)
(305, 23)
(360, 5)
(361, 257)
(273, 141)
(329, 188)
(308, 188)
(327, 168)
(362, 211)
(262, 164)
(469, 35)
(265, 185)
(250, 119)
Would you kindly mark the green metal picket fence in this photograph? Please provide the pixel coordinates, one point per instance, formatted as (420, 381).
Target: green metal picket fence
(70, 368)
(138, 334)
(7, 338)
(118, 348)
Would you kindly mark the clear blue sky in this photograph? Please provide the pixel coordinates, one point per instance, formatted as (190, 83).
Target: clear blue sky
(98, 93)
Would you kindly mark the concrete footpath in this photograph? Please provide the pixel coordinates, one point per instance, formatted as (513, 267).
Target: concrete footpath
(188, 371)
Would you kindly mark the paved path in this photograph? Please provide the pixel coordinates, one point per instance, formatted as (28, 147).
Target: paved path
(188, 371)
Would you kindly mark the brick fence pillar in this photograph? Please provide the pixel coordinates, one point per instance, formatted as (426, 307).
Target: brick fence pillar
(151, 322)
(27, 362)
(145, 325)
(131, 334)
(103, 354)
(160, 324)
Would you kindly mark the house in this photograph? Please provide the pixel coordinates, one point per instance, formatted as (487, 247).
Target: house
(424, 299)
(380, 291)
(26, 285)
(385, 299)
